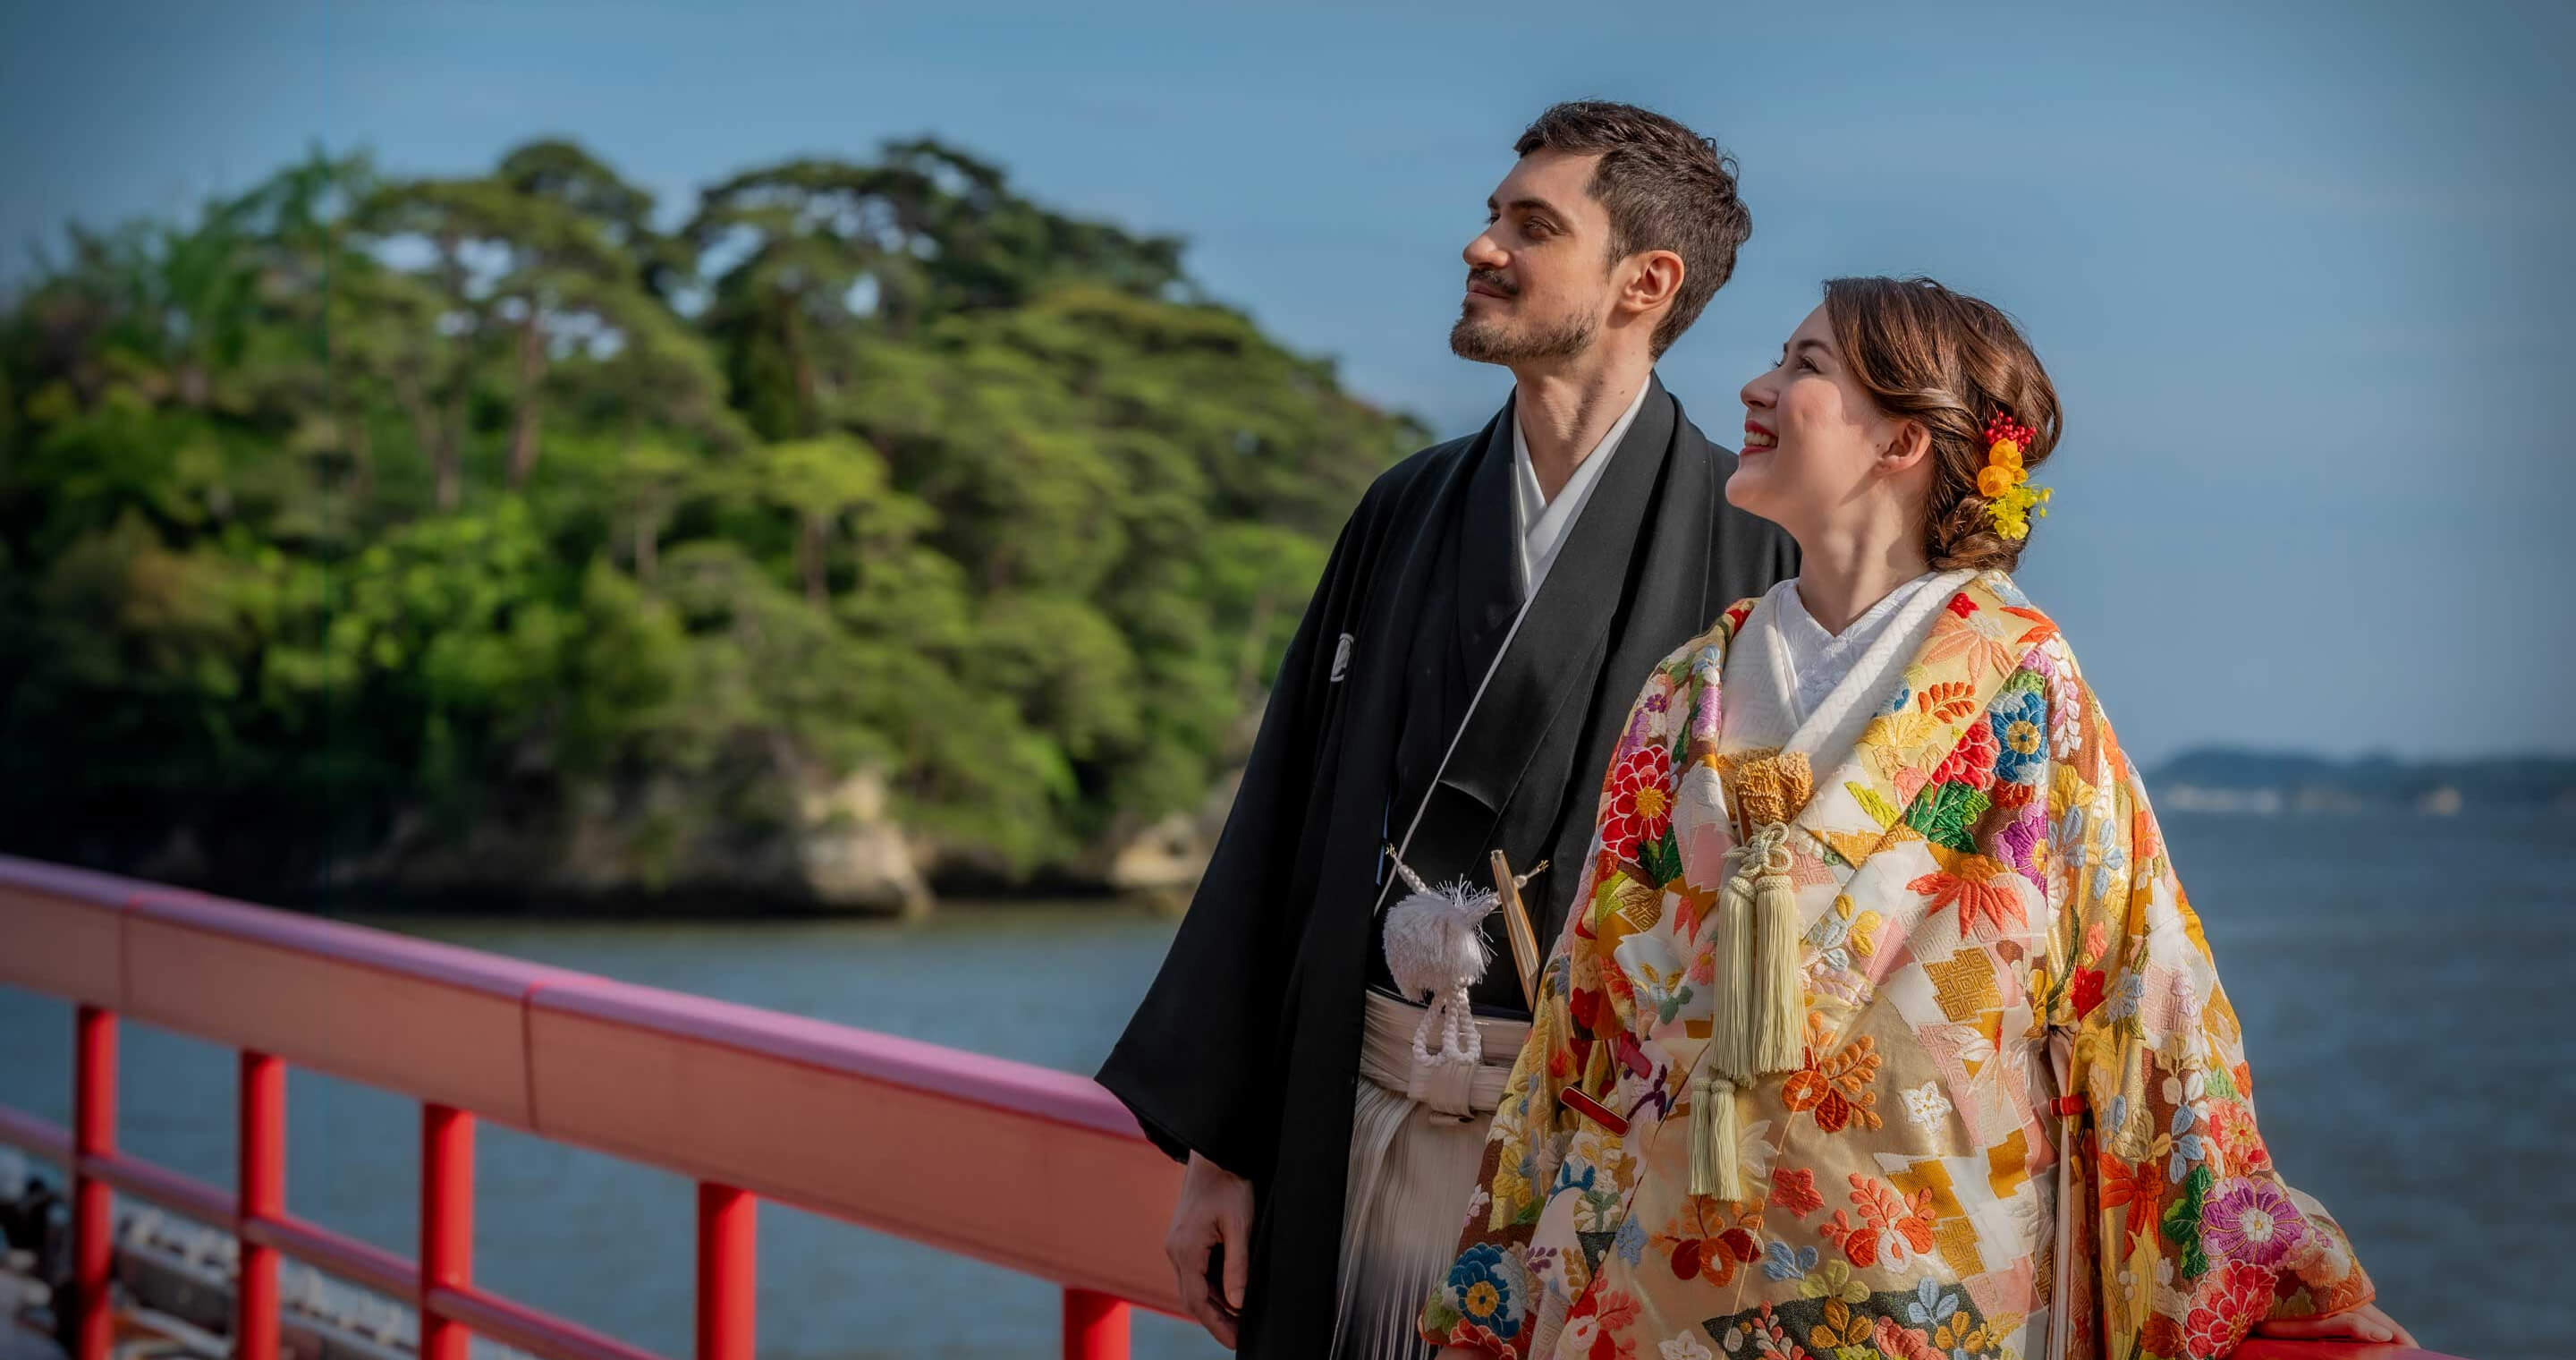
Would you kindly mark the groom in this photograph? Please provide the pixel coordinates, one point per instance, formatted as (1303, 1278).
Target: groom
(1455, 689)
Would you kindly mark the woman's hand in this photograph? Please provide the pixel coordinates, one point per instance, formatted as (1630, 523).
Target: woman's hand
(2365, 1323)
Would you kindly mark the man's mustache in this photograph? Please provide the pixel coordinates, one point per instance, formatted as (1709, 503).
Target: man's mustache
(1493, 280)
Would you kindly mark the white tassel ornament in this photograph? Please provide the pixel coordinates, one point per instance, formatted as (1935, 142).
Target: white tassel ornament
(1436, 950)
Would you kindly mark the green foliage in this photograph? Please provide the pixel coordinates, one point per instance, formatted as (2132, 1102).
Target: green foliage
(365, 508)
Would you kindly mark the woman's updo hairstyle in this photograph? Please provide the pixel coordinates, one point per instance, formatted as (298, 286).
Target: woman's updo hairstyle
(1950, 363)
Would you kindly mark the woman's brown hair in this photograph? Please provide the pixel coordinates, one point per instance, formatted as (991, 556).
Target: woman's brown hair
(1950, 363)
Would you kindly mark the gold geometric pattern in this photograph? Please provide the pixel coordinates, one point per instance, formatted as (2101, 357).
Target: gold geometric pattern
(1953, 1236)
(1966, 986)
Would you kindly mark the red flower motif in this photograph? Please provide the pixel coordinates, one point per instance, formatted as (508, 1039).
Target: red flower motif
(1641, 802)
(1794, 1189)
(1613, 1314)
(2088, 991)
(1962, 606)
(1972, 761)
(2241, 1298)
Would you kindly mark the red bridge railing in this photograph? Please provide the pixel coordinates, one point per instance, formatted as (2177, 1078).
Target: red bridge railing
(1062, 1185)
(1059, 1183)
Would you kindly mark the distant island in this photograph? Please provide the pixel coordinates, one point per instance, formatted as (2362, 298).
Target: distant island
(2221, 779)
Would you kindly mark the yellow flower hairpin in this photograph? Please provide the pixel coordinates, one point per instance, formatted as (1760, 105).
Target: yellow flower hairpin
(2010, 498)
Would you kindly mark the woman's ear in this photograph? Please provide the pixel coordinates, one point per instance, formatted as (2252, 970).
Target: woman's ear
(1912, 444)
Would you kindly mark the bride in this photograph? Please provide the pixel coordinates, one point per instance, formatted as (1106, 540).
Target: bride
(1882, 1025)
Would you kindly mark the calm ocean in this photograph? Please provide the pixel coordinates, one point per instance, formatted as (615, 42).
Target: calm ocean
(2403, 984)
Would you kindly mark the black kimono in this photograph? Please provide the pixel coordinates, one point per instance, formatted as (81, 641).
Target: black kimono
(1247, 1045)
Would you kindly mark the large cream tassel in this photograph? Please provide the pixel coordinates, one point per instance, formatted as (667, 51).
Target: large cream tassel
(1761, 1016)
(1779, 998)
(1715, 1165)
(1730, 1042)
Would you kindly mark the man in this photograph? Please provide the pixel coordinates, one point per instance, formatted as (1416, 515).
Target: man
(1455, 689)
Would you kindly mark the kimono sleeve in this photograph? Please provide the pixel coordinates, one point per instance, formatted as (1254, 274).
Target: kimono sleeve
(2182, 1234)
(1488, 1298)
(1188, 1065)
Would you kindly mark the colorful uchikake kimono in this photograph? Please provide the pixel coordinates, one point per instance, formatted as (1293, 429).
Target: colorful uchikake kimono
(2016, 1119)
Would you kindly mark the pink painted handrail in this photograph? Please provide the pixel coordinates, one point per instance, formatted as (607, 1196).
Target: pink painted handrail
(655, 1076)
(650, 1075)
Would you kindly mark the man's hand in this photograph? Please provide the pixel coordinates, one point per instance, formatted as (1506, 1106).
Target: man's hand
(1215, 1209)
(2365, 1323)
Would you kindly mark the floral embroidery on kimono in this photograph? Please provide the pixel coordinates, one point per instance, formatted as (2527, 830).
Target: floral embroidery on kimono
(2024, 1126)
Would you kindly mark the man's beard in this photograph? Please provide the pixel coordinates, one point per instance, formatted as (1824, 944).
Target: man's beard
(1494, 342)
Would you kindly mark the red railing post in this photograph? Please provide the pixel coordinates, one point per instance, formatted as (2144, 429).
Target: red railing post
(93, 1134)
(446, 1224)
(1095, 1326)
(262, 1181)
(728, 1240)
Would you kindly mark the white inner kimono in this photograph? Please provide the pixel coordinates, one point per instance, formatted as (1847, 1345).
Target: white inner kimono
(1792, 686)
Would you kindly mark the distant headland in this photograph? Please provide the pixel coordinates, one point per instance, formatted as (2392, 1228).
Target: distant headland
(2224, 779)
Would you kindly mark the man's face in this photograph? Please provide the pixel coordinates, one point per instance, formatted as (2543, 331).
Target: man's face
(1538, 276)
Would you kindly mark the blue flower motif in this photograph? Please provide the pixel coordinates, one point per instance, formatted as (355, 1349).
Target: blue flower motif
(1630, 1243)
(2112, 861)
(1480, 1284)
(2074, 844)
(1781, 1263)
(2125, 1001)
(2188, 1147)
(2021, 735)
(1896, 702)
(1930, 1307)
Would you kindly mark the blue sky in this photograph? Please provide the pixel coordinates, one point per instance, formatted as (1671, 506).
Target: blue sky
(2300, 274)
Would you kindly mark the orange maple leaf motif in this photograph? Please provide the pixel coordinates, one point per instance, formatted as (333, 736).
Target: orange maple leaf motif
(1948, 701)
(2127, 1185)
(1890, 1217)
(1973, 883)
(1837, 1089)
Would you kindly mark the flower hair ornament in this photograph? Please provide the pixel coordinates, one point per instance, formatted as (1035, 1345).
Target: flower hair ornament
(2010, 498)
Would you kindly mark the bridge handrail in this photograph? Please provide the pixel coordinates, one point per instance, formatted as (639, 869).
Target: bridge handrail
(647, 1074)
(866, 1127)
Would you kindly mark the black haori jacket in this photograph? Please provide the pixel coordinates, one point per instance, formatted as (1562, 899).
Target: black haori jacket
(1246, 1046)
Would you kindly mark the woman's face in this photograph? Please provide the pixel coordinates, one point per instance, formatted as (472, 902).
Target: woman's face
(1816, 448)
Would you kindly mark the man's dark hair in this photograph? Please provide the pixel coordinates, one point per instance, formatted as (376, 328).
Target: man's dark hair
(1666, 187)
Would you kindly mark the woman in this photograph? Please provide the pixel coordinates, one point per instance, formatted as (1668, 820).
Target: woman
(1882, 1026)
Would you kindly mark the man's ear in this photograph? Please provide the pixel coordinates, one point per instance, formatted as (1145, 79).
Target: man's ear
(1657, 280)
